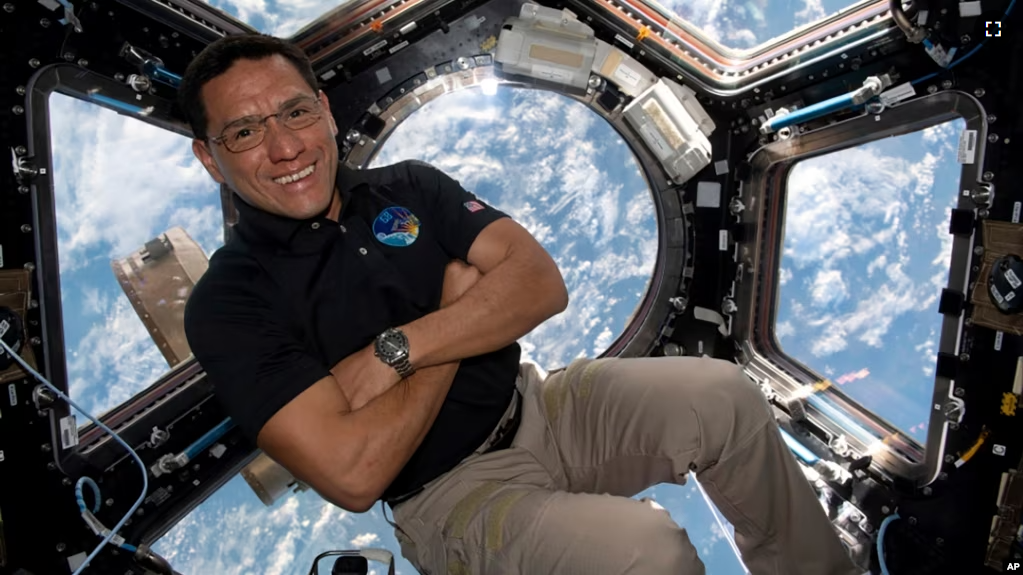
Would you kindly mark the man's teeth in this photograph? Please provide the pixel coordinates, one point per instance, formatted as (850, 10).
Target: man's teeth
(296, 177)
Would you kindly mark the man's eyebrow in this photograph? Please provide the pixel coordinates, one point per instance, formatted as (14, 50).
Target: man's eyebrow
(254, 118)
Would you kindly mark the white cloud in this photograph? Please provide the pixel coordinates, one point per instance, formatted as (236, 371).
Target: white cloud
(784, 329)
(828, 287)
(784, 276)
(116, 180)
(115, 360)
(364, 540)
(811, 12)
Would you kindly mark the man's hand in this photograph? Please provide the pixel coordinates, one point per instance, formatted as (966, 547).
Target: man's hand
(458, 278)
(363, 377)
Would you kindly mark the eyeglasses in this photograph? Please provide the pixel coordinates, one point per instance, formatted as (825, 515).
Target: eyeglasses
(246, 134)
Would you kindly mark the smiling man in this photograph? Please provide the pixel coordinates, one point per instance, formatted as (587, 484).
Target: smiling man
(361, 325)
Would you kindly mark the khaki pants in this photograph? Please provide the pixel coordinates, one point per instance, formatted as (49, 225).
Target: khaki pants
(557, 501)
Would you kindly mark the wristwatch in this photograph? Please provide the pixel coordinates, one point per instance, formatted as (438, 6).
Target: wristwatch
(392, 348)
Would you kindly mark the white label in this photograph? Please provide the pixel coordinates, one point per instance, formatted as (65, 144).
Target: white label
(1, 256)
(1010, 296)
(398, 47)
(551, 73)
(969, 9)
(723, 240)
(4, 326)
(1013, 278)
(12, 393)
(997, 294)
(1015, 217)
(627, 75)
(968, 146)
(998, 340)
(898, 94)
(699, 347)
(68, 432)
(622, 39)
(656, 141)
(921, 17)
(1, 456)
(374, 48)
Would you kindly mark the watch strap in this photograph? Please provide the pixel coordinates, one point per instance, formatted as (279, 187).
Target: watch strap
(404, 368)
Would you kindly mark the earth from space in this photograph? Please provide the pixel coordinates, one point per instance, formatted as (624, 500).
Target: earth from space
(865, 256)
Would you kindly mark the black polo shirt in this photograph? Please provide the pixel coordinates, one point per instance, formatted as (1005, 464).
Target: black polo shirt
(285, 300)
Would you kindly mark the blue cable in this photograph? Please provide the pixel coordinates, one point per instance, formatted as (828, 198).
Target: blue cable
(138, 460)
(95, 493)
(880, 541)
(1008, 11)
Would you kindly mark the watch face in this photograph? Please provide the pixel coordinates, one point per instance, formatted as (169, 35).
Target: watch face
(392, 345)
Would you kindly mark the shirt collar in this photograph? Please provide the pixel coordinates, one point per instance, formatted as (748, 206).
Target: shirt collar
(262, 228)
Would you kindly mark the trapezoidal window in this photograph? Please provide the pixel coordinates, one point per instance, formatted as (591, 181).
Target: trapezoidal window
(866, 254)
(136, 217)
(747, 25)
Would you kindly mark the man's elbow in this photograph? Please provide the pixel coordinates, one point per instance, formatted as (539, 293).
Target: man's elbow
(357, 499)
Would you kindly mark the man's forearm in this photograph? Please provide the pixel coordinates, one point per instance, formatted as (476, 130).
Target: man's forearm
(394, 424)
(505, 304)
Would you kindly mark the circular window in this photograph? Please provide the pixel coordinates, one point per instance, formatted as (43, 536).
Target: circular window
(563, 173)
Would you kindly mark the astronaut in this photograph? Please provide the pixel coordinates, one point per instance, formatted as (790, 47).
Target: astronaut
(361, 328)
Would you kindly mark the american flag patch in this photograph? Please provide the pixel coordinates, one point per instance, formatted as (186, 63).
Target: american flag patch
(473, 206)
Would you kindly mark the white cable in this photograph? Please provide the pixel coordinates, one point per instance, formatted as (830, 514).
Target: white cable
(138, 460)
(721, 525)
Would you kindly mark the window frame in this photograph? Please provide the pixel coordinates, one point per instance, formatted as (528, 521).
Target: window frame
(94, 444)
(764, 192)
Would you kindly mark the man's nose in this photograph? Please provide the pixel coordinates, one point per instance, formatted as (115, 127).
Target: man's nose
(281, 142)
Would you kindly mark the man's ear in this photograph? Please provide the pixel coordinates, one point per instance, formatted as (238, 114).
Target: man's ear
(203, 154)
(330, 117)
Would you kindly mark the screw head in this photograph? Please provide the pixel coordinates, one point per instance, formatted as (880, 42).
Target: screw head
(66, 481)
(912, 520)
(8, 7)
(20, 90)
(959, 392)
(953, 425)
(83, 62)
(885, 509)
(22, 189)
(946, 84)
(939, 541)
(51, 466)
(979, 92)
(927, 490)
(982, 214)
(988, 176)
(109, 502)
(61, 547)
(978, 250)
(965, 39)
(46, 448)
(18, 110)
(932, 89)
(942, 476)
(991, 118)
(992, 138)
(948, 459)
(34, 62)
(45, 22)
(26, 228)
(20, 150)
(964, 357)
(69, 56)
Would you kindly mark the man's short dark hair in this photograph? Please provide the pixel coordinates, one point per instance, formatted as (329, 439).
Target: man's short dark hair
(219, 56)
